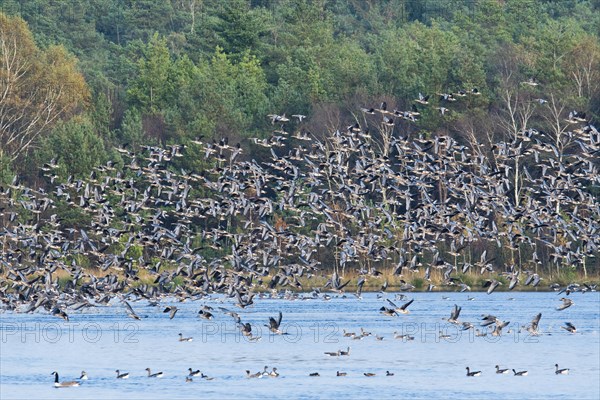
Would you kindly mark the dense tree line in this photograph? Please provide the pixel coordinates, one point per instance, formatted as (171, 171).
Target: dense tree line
(167, 72)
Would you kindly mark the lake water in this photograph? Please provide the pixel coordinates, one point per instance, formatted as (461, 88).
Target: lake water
(102, 339)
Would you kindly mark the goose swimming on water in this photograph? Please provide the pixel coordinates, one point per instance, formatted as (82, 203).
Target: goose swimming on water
(124, 375)
(185, 339)
(562, 371)
(84, 376)
(59, 384)
(502, 371)
(155, 375)
(519, 373)
(473, 373)
(249, 375)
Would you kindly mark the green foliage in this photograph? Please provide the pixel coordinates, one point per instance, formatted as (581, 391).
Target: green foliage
(76, 147)
(6, 173)
(179, 70)
(132, 132)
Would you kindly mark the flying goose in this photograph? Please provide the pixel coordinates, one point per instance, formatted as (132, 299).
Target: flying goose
(533, 328)
(156, 375)
(422, 99)
(390, 312)
(402, 309)
(130, 311)
(63, 384)
(530, 82)
(172, 310)
(274, 324)
(566, 304)
(491, 285)
(474, 373)
(569, 327)
(454, 315)
(300, 117)
(205, 314)
(57, 312)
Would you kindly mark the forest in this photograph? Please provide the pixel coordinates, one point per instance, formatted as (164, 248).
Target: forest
(83, 83)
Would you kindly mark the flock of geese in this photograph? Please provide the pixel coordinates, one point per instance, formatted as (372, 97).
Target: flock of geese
(375, 196)
(274, 374)
(557, 371)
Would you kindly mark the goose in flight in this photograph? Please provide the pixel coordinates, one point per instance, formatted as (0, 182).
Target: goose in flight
(59, 384)
(566, 304)
(300, 117)
(533, 327)
(390, 312)
(274, 324)
(205, 314)
(57, 312)
(454, 314)
(422, 99)
(569, 327)
(130, 311)
(491, 285)
(402, 309)
(530, 82)
(172, 310)
(277, 118)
